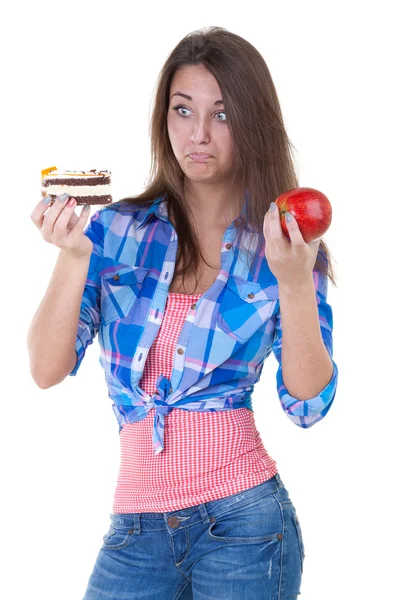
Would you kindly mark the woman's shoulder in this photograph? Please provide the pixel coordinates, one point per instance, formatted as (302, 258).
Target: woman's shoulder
(120, 215)
(130, 205)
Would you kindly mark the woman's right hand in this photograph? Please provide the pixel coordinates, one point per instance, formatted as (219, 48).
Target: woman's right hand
(62, 227)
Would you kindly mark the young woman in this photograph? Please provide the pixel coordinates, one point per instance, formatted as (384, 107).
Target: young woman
(190, 286)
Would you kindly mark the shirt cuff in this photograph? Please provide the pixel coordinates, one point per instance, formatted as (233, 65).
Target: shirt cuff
(305, 413)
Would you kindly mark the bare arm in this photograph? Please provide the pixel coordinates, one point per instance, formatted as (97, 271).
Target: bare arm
(306, 365)
(53, 330)
(52, 333)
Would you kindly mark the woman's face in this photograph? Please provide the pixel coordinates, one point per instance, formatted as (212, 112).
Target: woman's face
(199, 125)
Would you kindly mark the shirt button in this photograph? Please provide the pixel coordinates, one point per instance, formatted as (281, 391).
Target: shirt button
(228, 246)
(251, 295)
(193, 306)
(173, 522)
(116, 277)
(180, 351)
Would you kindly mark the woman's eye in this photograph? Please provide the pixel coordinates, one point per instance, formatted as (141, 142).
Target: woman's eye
(178, 108)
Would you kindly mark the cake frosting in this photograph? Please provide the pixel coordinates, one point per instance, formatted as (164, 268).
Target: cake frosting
(87, 187)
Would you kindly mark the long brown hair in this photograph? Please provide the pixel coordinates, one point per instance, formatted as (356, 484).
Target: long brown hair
(263, 165)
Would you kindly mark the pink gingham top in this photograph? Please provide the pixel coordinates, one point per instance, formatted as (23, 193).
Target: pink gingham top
(211, 455)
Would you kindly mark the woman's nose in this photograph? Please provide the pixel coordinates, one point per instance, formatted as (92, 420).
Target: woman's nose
(200, 133)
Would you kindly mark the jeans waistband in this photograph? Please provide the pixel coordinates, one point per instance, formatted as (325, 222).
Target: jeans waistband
(186, 517)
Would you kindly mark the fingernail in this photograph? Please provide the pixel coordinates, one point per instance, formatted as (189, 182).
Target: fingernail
(47, 200)
(288, 217)
(272, 206)
(63, 197)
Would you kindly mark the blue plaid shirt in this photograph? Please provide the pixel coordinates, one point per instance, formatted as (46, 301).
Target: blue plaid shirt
(227, 335)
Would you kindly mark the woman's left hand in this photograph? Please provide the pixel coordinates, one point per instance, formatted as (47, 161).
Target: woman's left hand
(291, 262)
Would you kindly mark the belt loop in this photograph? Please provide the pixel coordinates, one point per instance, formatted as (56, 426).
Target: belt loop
(204, 514)
(136, 523)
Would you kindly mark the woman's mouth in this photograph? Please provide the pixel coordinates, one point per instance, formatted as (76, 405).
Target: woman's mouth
(200, 157)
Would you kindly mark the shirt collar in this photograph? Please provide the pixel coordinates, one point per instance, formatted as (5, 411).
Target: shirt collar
(158, 207)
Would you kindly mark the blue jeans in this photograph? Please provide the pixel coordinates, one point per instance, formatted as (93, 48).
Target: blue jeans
(247, 546)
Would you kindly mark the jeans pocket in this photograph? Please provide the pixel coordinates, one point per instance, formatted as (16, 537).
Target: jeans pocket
(258, 521)
(299, 538)
(117, 538)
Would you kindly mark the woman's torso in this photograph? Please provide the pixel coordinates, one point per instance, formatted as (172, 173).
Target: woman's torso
(207, 455)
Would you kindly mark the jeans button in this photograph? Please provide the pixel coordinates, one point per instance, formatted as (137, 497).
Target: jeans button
(173, 522)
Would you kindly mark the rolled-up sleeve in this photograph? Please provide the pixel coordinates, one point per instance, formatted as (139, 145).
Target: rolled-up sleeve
(89, 318)
(306, 413)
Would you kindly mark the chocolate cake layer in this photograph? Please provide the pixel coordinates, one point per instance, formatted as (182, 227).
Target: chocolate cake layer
(76, 181)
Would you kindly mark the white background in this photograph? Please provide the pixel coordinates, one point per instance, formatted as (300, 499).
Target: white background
(77, 87)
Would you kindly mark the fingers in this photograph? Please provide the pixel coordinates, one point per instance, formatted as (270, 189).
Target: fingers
(272, 228)
(78, 223)
(296, 237)
(56, 219)
(65, 215)
(53, 209)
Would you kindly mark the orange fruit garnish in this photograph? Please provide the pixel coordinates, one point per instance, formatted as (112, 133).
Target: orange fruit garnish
(46, 171)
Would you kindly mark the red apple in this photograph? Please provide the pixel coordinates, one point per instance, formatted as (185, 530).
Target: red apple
(311, 209)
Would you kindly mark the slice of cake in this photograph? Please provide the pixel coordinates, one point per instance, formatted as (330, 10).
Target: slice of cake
(87, 187)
